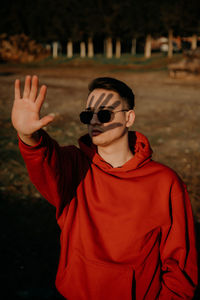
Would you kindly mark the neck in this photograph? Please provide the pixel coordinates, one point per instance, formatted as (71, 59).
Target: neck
(117, 153)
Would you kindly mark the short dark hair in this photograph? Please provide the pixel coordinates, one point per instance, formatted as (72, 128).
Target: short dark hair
(112, 84)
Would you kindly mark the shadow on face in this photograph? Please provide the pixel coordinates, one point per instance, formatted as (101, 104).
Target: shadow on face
(100, 100)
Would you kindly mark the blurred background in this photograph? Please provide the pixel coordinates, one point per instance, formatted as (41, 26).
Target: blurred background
(153, 46)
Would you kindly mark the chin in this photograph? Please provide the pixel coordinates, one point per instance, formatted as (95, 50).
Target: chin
(98, 141)
(104, 140)
(108, 137)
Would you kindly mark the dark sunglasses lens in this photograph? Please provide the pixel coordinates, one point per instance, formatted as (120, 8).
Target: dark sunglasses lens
(104, 116)
(86, 117)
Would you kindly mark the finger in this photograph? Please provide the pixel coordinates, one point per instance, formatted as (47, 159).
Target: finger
(46, 120)
(17, 89)
(27, 86)
(34, 88)
(40, 99)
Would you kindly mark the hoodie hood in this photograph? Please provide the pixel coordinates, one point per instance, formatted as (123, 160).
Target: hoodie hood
(139, 145)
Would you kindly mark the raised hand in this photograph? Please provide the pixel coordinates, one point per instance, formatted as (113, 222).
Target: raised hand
(26, 109)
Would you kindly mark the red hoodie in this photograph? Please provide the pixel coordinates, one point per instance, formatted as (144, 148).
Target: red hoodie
(126, 233)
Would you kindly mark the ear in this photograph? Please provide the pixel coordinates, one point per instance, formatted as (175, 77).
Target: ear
(130, 118)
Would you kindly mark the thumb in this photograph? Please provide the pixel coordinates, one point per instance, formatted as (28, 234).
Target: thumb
(46, 120)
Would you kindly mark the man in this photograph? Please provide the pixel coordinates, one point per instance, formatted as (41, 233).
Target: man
(126, 221)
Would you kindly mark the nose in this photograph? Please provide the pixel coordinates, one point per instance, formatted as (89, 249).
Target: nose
(94, 120)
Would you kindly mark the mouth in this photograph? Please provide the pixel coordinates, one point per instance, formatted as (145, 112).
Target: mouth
(96, 132)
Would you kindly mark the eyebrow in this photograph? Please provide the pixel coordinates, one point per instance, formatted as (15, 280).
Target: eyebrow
(113, 106)
(101, 107)
(109, 106)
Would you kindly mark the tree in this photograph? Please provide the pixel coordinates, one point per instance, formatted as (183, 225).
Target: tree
(149, 22)
(69, 21)
(171, 16)
(189, 21)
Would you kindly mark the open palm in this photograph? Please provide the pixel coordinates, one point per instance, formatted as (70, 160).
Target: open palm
(26, 110)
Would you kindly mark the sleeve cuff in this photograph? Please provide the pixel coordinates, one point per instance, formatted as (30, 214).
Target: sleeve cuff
(36, 146)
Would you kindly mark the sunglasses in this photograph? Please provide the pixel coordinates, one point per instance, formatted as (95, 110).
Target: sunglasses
(103, 115)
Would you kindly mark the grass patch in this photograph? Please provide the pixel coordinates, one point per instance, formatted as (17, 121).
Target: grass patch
(138, 61)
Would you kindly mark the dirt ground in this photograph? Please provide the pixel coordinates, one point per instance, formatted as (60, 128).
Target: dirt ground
(167, 112)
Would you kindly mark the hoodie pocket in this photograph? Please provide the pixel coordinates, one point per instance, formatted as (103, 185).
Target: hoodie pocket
(85, 279)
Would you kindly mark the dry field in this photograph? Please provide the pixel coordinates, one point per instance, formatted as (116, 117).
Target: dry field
(167, 112)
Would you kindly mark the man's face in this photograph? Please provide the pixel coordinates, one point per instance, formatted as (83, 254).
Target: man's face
(103, 134)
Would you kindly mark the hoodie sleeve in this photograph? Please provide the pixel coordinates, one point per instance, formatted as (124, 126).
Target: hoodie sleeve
(50, 169)
(178, 248)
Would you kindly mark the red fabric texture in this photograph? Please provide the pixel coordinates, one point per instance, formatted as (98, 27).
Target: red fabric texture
(126, 233)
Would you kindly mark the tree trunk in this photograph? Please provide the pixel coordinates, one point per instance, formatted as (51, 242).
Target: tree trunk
(133, 48)
(90, 48)
(194, 42)
(55, 49)
(109, 47)
(48, 47)
(147, 51)
(69, 49)
(82, 49)
(118, 48)
(170, 43)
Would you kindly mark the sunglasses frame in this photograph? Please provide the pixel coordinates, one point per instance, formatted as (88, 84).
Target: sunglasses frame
(99, 115)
